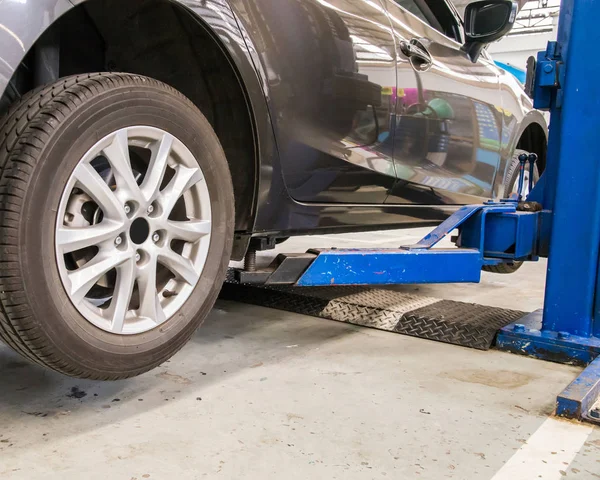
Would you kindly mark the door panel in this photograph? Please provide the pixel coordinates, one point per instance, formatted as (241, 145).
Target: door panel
(448, 129)
(331, 75)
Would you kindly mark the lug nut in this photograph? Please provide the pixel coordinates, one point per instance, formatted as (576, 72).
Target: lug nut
(155, 237)
(150, 208)
(138, 257)
(118, 241)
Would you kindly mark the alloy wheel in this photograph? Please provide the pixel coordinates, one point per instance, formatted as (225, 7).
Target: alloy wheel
(133, 230)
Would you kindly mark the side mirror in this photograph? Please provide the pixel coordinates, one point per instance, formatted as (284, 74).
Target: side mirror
(487, 21)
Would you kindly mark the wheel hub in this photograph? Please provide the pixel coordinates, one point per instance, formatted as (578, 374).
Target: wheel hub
(139, 231)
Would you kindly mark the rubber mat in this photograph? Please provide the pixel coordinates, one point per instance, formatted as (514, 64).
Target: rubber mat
(448, 321)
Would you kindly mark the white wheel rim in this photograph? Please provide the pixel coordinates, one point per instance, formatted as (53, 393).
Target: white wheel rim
(131, 244)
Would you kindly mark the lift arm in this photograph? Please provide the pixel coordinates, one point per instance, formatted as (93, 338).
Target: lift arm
(489, 234)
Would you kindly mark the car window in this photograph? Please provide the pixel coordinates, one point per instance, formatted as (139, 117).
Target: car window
(448, 19)
(435, 13)
(412, 7)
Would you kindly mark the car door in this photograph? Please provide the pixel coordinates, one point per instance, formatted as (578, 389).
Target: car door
(331, 75)
(447, 139)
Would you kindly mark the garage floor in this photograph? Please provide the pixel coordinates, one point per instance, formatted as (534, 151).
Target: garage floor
(265, 394)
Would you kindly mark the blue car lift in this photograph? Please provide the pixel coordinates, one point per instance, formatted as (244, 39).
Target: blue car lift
(560, 219)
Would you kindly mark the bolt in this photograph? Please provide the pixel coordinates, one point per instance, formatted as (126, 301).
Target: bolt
(127, 208)
(118, 241)
(155, 237)
(250, 261)
(138, 257)
(150, 208)
(548, 68)
(519, 328)
(563, 335)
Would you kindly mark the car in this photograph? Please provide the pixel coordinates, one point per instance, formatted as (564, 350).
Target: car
(145, 144)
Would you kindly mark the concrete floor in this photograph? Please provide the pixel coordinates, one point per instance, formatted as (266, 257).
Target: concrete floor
(264, 394)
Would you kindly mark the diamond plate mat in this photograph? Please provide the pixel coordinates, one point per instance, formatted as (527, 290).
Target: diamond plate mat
(458, 323)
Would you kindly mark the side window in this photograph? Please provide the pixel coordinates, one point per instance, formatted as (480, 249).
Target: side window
(412, 7)
(448, 19)
(437, 14)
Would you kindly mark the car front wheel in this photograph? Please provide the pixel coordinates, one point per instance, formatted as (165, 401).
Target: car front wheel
(116, 218)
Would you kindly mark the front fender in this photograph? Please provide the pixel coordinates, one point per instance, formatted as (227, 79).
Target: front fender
(531, 117)
(21, 24)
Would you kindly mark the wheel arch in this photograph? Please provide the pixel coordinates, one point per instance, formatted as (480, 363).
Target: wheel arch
(197, 50)
(533, 137)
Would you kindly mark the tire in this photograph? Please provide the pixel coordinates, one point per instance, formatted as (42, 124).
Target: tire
(512, 177)
(43, 143)
(503, 268)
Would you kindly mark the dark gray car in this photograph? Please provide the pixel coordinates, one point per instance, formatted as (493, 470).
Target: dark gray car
(145, 143)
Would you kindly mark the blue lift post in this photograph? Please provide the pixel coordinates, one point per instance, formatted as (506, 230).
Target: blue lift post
(561, 220)
(568, 328)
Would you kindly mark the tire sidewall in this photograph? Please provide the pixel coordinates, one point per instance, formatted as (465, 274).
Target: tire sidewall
(86, 345)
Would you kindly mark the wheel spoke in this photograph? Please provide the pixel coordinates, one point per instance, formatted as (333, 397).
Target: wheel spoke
(93, 184)
(180, 266)
(117, 154)
(150, 306)
(122, 295)
(157, 167)
(70, 239)
(190, 231)
(85, 277)
(184, 179)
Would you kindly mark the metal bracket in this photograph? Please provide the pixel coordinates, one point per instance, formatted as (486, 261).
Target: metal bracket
(456, 220)
(549, 73)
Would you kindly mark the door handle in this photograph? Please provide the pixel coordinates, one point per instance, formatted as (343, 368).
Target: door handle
(417, 53)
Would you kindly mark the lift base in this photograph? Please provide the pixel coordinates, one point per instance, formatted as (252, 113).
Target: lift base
(581, 399)
(446, 321)
(526, 338)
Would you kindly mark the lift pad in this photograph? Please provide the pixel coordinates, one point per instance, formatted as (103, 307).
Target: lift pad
(448, 321)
